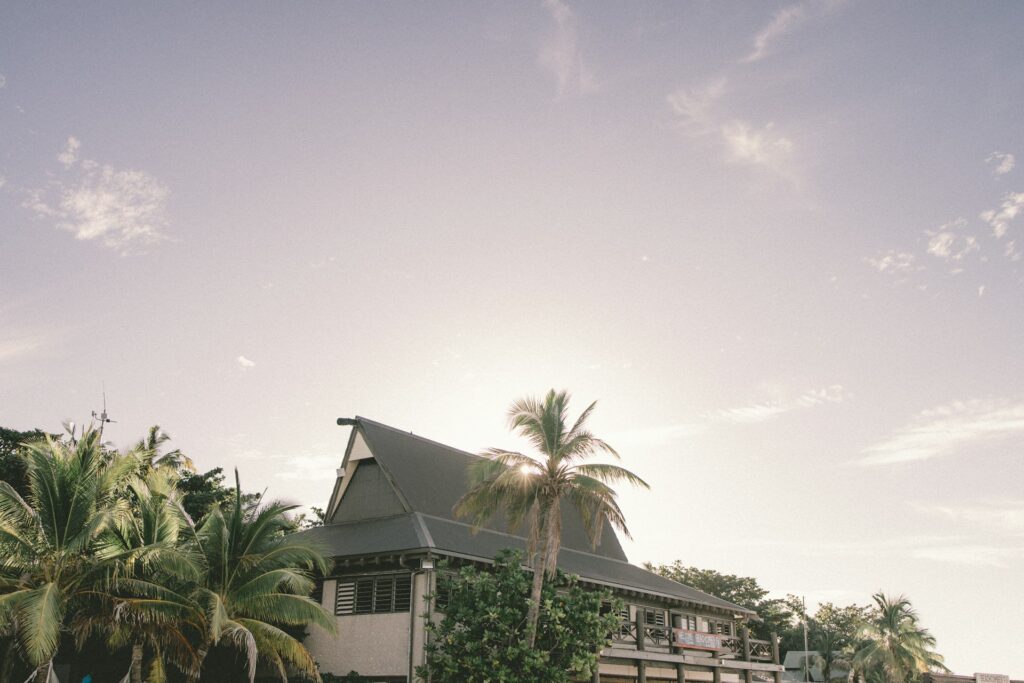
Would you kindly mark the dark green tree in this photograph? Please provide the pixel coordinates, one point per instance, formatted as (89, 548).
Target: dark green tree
(13, 465)
(482, 634)
(777, 615)
(203, 492)
(841, 622)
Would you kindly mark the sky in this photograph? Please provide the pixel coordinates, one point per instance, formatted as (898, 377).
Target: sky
(780, 244)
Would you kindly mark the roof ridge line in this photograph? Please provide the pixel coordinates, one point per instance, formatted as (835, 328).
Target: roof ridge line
(414, 435)
(562, 549)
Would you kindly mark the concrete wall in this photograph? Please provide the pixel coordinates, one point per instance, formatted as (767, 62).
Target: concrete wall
(611, 672)
(372, 644)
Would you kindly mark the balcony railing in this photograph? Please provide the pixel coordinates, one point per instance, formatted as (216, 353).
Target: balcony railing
(666, 637)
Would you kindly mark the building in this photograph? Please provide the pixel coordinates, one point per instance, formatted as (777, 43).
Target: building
(796, 673)
(388, 523)
(976, 678)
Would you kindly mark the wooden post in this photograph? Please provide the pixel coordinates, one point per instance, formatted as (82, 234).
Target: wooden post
(748, 675)
(641, 665)
(717, 673)
(775, 656)
(597, 672)
(677, 622)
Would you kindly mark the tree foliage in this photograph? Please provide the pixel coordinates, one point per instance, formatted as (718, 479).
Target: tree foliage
(99, 561)
(776, 615)
(13, 463)
(51, 567)
(534, 487)
(257, 578)
(482, 635)
(893, 644)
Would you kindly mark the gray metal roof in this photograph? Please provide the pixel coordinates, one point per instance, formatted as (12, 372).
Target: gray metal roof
(430, 477)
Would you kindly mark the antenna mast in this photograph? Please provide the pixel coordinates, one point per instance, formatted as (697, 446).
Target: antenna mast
(103, 417)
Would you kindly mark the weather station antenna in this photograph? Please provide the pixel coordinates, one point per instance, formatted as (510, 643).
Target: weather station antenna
(103, 417)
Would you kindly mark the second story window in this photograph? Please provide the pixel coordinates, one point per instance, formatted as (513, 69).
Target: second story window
(654, 617)
(722, 628)
(624, 621)
(373, 594)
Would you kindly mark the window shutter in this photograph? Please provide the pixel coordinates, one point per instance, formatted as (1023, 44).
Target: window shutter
(403, 593)
(364, 596)
(344, 602)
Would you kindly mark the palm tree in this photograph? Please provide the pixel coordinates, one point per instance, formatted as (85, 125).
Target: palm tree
(148, 449)
(49, 564)
(829, 655)
(535, 486)
(895, 645)
(256, 578)
(147, 602)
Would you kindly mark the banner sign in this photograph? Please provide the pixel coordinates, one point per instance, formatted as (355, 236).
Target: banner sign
(696, 639)
(991, 678)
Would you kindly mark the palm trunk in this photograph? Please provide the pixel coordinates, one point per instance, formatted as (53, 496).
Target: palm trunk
(42, 674)
(137, 663)
(533, 614)
(540, 561)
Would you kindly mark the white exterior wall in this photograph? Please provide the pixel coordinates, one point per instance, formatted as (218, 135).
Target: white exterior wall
(372, 644)
(660, 672)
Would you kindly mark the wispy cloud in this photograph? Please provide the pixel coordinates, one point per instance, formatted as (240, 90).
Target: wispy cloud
(245, 362)
(894, 262)
(658, 435)
(70, 154)
(1005, 516)
(1011, 251)
(1000, 218)
(771, 409)
(949, 243)
(693, 105)
(756, 412)
(1002, 162)
(15, 347)
(309, 466)
(955, 241)
(948, 548)
(943, 430)
(120, 209)
(757, 145)
(317, 463)
(698, 115)
(973, 554)
(782, 22)
(561, 55)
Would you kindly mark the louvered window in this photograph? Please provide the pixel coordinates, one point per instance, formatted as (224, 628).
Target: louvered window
(374, 594)
(654, 617)
(625, 622)
(345, 600)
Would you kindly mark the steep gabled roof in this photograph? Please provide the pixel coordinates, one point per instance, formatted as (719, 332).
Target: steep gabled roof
(432, 477)
(428, 478)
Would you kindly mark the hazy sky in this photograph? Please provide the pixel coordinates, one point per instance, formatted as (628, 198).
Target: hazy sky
(780, 243)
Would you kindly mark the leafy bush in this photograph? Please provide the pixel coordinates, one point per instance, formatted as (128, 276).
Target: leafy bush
(482, 635)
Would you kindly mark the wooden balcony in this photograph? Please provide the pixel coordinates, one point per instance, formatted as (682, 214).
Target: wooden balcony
(694, 655)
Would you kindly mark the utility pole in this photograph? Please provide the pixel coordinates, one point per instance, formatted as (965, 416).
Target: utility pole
(807, 654)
